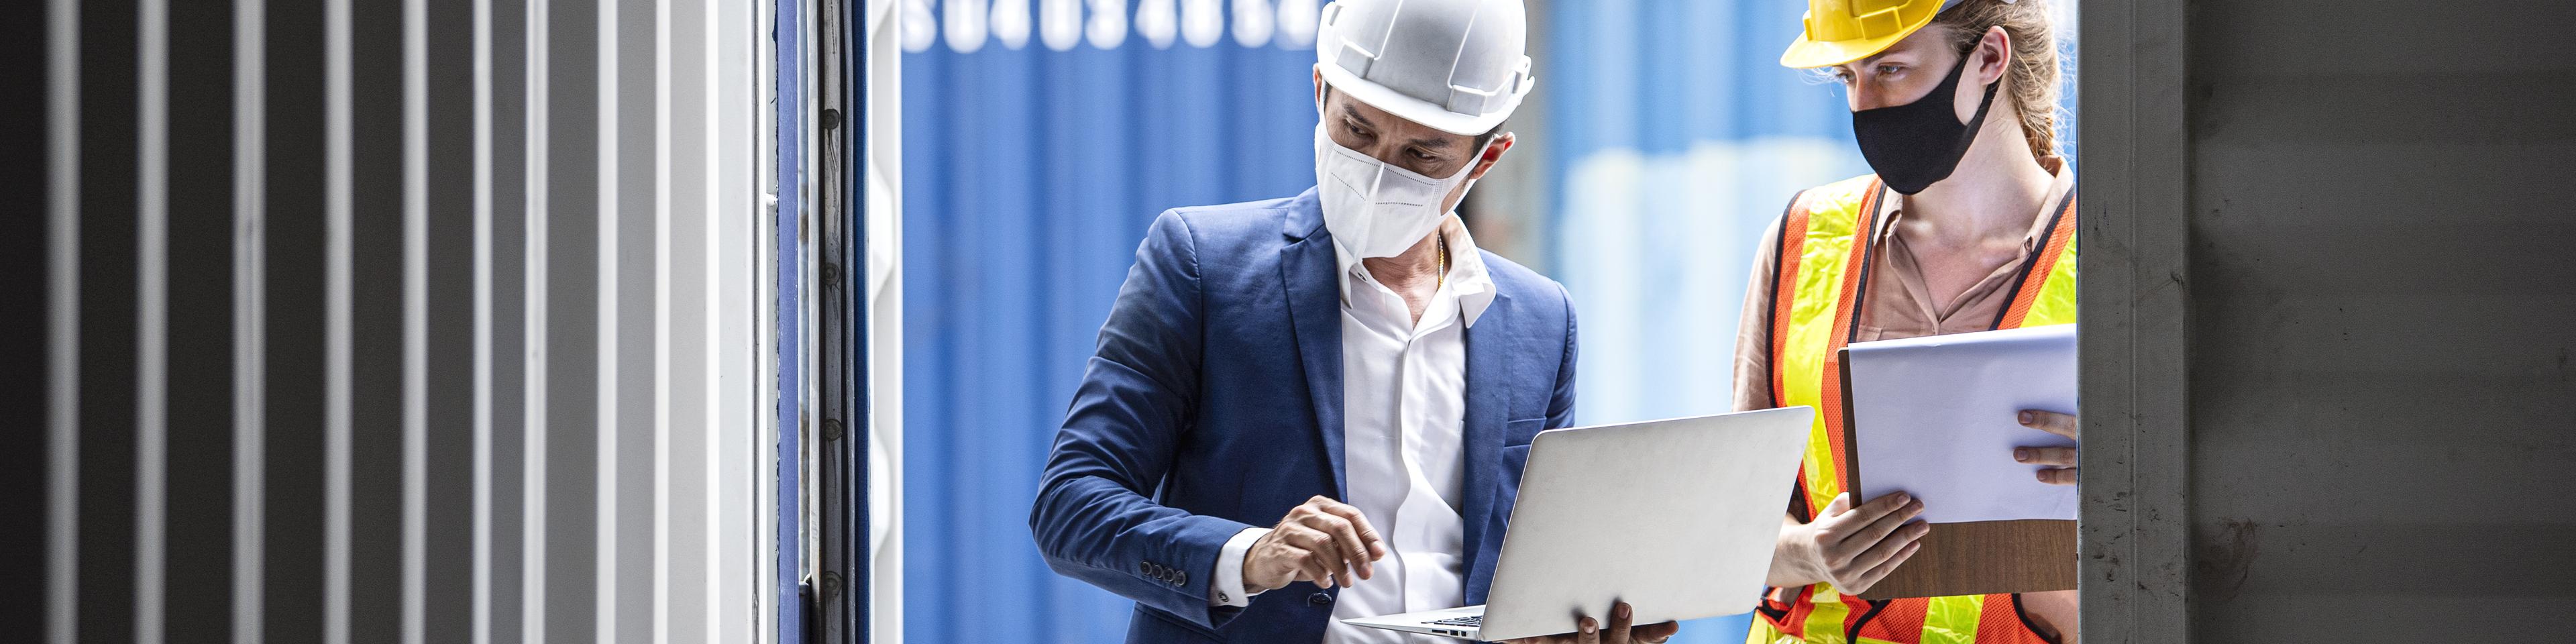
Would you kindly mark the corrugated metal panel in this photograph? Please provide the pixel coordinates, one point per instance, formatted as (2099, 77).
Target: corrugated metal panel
(401, 321)
(2380, 388)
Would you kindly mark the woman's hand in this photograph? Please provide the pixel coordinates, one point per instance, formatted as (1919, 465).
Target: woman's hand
(2061, 458)
(1852, 548)
(1589, 631)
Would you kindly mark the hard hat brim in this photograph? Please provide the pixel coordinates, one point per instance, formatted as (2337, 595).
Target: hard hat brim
(1810, 54)
(1429, 114)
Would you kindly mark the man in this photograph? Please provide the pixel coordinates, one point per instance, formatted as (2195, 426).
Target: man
(1316, 408)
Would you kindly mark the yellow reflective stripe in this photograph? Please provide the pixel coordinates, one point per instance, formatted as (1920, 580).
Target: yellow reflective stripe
(2055, 303)
(1816, 295)
(1952, 620)
(1763, 633)
(1825, 621)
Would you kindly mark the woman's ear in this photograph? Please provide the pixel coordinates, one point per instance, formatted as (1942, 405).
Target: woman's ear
(1993, 51)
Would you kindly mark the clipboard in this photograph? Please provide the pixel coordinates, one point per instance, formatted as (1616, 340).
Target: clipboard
(1968, 558)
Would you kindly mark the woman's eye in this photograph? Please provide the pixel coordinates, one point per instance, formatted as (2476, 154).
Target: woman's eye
(1884, 70)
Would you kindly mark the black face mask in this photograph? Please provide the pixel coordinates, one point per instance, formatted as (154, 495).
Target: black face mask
(1915, 145)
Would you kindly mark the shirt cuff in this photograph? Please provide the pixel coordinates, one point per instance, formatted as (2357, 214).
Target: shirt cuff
(1225, 587)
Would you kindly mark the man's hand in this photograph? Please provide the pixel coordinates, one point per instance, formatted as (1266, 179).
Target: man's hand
(1323, 541)
(2062, 457)
(1589, 631)
(1852, 548)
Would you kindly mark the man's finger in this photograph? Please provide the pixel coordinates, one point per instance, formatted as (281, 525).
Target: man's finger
(1345, 536)
(2058, 476)
(1587, 631)
(1303, 537)
(1359, 525)
(1621, 617)
(1321, 547)
(1300, 563)
(1656, 633)
(2048, 421)
(1320, 568)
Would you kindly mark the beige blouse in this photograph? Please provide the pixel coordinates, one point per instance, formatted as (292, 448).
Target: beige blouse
(1899, 305)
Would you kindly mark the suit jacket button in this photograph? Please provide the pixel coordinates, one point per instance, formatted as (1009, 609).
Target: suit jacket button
(1181, 577)
(1319, 599)
(1144, 568)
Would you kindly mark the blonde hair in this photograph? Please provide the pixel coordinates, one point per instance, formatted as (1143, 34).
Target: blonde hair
(2035, 63)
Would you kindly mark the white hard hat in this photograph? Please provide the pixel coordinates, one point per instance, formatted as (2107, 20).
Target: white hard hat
(1454, 65)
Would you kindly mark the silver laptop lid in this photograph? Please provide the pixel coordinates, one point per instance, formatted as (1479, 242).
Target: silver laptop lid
(1677, 517)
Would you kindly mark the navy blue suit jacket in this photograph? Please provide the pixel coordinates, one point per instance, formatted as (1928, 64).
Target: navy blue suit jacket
(1214, 403)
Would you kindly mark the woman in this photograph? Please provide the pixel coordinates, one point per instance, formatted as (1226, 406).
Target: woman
(1967, 224)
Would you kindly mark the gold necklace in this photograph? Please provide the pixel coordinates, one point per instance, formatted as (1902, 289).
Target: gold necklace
(1443, 278)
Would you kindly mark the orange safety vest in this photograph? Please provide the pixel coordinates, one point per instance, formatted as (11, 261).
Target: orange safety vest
(1825, 245)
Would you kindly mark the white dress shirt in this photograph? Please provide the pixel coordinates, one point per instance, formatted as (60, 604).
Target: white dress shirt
(1404, 390)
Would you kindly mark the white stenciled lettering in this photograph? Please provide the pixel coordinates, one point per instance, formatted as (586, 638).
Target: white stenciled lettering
(965, 25)
(920, 27)
(1202, 22)
(1060, 23)
(1108, 23)
(1252, 22)
(1010, 23)
(1158, 21)
(1297, 23)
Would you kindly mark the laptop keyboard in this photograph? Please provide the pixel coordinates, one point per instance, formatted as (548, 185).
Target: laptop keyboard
(1470, 620)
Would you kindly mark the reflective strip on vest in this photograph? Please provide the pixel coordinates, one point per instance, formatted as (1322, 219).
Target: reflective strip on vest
(1825, 245)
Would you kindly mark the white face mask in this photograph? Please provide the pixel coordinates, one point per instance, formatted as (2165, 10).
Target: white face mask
(1375, 209)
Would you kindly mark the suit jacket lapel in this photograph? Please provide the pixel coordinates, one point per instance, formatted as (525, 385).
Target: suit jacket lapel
(1489, 402)
(1306, 268)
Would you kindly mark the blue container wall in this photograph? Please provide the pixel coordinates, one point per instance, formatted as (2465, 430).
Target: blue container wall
(1031, 175)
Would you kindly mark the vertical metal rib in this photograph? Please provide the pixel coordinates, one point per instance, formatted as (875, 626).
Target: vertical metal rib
(152, 317)
(711, 321)
(532, 482)
(250, 304)
(483, 491)
(662, 404)
(415, 340)
(605, 441)
(63, 368)
(339, 224)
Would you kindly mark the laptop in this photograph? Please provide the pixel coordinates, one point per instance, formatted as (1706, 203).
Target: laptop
(1677, 517)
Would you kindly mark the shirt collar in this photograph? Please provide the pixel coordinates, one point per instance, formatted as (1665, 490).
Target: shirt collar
(1467, 278)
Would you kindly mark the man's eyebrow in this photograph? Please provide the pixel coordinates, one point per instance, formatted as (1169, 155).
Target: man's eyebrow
(1353, 113)
(1434, 142)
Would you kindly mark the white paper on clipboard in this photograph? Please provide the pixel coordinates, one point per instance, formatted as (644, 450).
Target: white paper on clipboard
(1933, 416)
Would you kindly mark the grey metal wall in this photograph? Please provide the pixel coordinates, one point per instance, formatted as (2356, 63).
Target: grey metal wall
(2382, 293)
(390, 321)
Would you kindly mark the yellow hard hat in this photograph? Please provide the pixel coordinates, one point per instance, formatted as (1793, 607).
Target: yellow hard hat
(1841, 31)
